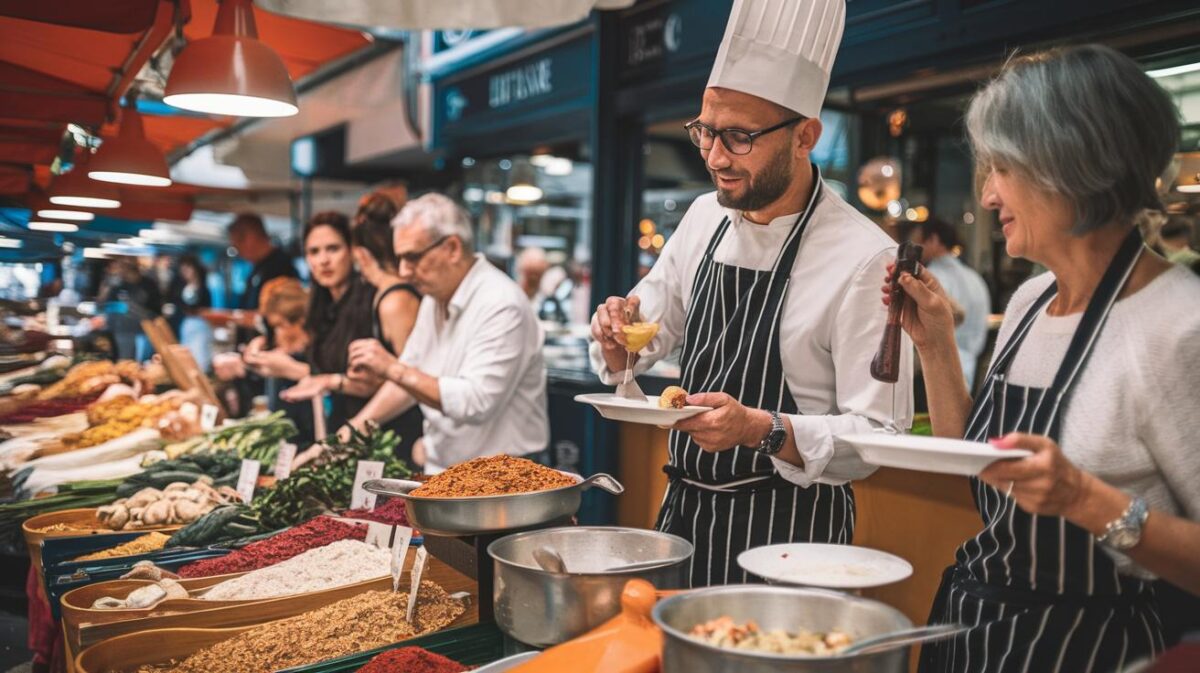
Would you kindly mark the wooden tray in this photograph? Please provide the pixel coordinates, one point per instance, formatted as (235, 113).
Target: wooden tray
(157, 638)
(34, 536)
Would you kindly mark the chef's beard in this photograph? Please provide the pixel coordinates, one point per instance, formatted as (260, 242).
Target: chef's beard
(762, 189)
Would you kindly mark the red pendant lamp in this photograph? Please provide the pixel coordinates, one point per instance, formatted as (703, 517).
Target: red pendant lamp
(130, 159)
(75, 189)
(232, 72)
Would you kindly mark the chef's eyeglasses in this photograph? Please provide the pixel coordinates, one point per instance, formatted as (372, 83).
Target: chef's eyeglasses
(737, 141)
(414, 258)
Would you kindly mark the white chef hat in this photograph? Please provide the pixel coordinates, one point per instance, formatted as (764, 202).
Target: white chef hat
(781, 50)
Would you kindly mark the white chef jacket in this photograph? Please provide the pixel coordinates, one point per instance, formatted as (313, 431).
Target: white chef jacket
(830, 326)
(486, 351)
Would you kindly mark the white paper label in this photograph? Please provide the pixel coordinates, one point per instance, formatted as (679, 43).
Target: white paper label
(248, 479)
(208, 418)
(283, 463)
(379, 534)
(414, 582)
(399, 551)
(367, 470)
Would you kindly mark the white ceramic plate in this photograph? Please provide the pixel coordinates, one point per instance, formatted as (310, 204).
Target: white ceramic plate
(929, 454)
(832, 566)
(620, 409)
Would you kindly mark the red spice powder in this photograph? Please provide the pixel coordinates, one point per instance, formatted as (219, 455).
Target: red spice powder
(391, 512)
(411, 660)
(317, 532)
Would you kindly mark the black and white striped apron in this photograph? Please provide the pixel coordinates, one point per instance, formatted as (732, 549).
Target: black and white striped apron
(1040, 592)
(730, 501)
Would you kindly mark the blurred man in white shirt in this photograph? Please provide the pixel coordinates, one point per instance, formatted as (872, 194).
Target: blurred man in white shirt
(964, 285)
(474, 358)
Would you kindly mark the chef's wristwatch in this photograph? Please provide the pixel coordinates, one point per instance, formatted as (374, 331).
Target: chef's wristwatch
(1126, 530)
(773, 442)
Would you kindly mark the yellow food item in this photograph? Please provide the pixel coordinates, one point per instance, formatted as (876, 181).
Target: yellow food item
(638, 335)
(142, 544)
(673, 397)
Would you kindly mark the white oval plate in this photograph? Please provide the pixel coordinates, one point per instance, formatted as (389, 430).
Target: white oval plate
(616, 408)
(929, 454)
(831, 566)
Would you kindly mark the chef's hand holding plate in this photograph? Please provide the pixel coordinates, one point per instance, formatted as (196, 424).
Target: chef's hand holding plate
(932, 323)
(1046, 483)
(728, 424)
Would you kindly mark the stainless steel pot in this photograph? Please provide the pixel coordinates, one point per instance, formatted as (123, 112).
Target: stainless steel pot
(542, 608)
(491, 513)
(773, 607)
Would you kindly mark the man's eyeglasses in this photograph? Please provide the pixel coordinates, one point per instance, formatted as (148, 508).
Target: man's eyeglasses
(414, 258)
(737, 141)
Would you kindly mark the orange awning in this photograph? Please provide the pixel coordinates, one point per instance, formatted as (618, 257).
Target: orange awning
(64, 61)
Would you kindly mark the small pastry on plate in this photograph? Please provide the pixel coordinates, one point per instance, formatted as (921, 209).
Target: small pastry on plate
(673, 397)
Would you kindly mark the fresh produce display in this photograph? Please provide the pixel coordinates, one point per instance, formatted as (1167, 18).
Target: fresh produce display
(320, 487)
(334, 565)
(319, 532)
(363, 622)
(117, 422)
(179, 502)
(143, 544)
(35, 409)
(254, 439)
(222, 467)
(75, 495)
(93, 376)
(412, 660)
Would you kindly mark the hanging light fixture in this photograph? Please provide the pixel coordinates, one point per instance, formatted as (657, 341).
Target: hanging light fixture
(62, 227)
(76, 215)
(524, 187)
(75, 189)
(130, 159)
(232, 72)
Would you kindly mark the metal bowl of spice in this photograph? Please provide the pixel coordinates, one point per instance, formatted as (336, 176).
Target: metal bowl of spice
(493, 494)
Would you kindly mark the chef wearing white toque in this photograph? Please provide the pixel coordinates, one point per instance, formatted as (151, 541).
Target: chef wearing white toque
(770, 287)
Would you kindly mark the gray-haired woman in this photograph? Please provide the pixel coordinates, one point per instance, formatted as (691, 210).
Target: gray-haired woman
(1096, 371)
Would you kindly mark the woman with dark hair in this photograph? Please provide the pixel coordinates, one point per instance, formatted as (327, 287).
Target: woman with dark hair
(339, 312)
(1094, 374)
(394, 310)
(190, 295)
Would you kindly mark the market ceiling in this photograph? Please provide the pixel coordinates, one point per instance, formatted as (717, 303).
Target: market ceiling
(71, 61)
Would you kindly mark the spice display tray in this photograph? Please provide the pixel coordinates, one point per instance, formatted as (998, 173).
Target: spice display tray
(470, 645)
(32, 530)
(155, 638)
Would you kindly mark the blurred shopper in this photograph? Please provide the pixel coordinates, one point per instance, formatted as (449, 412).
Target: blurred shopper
(189, 296)
(474, 359)
(963, 284)
(1087, 375)
(531, 268)
(129, 297)
(1176, 240)
(248, 236)
(393, 315)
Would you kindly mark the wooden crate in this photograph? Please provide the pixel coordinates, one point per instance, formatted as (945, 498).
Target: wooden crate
(159, 638)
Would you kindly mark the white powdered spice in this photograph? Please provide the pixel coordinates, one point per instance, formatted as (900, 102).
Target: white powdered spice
(337, 564)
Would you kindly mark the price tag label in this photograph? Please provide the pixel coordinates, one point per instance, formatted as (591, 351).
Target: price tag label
(208, 417)
(414, 581)
(367, 470)
(283, 463)
(399, 552)
(379, 534)
(248, 479)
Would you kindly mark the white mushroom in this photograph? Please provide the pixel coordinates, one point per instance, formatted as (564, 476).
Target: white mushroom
(108, 603)
(157, 514)
(174, 589)
(177, 486)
